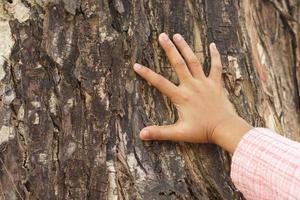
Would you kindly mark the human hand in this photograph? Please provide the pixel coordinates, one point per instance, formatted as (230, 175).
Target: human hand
(201, 101)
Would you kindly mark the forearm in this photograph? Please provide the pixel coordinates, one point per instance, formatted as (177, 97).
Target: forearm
(266, 165)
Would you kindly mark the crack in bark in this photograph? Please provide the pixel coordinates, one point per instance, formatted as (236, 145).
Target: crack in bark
(139, 161)
(295, 64)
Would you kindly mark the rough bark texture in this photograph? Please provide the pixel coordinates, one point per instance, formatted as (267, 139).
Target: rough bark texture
(71, 105)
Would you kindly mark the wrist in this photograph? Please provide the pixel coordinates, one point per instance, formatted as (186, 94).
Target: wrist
(229, 132)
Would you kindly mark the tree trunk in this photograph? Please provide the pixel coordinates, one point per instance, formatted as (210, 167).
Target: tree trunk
(72, 107)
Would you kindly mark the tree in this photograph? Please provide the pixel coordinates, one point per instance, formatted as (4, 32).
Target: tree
(72, 107)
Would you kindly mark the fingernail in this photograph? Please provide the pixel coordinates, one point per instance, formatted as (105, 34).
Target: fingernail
(213, 45)
(145, 134)
(164, 37)
(177, 37)
(137, 66)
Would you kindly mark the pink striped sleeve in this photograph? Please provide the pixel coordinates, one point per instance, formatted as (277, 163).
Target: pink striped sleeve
(266, 165)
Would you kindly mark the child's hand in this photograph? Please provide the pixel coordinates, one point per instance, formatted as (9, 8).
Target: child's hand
(202, 104)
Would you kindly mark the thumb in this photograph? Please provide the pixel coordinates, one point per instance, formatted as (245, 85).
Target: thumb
(166, 132)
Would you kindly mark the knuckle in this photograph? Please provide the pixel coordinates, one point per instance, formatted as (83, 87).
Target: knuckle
(179, 63)
(184, 97)
(215, 53)
(194, 62)
(215, 56)
(156, 134)
(169, 46)
(182, 130)
(217, 65)
(147, 71)
(156, 79)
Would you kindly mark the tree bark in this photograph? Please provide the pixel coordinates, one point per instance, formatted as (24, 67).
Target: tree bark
(72, 107)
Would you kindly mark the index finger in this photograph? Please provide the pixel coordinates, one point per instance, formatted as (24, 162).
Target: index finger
(158, 81)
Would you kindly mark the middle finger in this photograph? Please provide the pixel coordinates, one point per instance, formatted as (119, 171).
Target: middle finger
(174, 57)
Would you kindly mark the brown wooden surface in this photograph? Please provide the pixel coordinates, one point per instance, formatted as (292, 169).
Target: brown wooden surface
(72, 107)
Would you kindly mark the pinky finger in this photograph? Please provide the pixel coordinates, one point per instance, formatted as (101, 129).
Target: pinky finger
(216, 64)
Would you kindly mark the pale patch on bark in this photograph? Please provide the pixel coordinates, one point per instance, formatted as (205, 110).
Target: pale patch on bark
(36, 104)
(43, 158)
(8, 94)
(101, 88)
(234, 64)
(21, 113)
(104, 36)
(112, 185)
(129, 85)
(71, 149)
(135, 168)
(19, 10)
(102, 92)
(270, 122)
(198, 48)
(9, 11)
(52, 51)
(119, 6)
(36, 119)
(6, 43)
(5, 132)
(15, 10)
(70, 102)
(262, 54)
(198, 45)
(53, 103)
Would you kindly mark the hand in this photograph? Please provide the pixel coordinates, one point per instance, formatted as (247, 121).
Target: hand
(202, 105)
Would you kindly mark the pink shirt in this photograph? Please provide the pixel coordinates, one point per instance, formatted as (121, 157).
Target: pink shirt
(266, 165)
